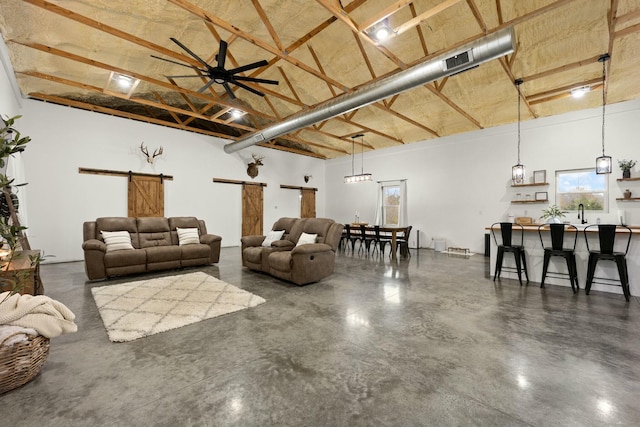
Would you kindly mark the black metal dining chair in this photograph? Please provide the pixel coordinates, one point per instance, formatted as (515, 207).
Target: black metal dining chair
(606, 239)
(507, 245)
(552, 239)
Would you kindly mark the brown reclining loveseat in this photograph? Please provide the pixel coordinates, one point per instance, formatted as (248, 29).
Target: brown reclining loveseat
(154, 246)
(302, 264)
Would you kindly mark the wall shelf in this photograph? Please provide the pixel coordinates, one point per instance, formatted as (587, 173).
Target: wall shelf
(536, 201)
(630, 199)
(537, 184)
(628, 179)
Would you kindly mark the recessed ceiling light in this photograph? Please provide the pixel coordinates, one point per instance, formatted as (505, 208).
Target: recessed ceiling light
(120, 85)
(383, 33)
(380, 31)
(579, 92)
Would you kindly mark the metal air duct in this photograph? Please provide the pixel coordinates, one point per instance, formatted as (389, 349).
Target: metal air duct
(468, 56)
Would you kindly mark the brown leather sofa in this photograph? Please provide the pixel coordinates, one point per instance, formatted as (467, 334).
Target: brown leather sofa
(301, 264)
(155, 246)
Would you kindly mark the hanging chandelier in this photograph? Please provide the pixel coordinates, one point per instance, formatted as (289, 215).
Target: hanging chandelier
(603, 163)
(518, 170)
(361, 177)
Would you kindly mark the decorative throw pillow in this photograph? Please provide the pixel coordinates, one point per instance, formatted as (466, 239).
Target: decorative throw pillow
(272, 236)
(187, 236)
(305, 239)
(117, 240)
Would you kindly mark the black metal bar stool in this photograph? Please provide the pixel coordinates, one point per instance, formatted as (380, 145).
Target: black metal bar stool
(606, 238)
(554, 244)
(506, 234)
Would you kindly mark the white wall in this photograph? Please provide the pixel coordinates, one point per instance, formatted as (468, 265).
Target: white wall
(61, 199)
(461, 184)
(10, 100)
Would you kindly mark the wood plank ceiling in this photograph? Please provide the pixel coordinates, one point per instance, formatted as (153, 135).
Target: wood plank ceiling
(64, 52)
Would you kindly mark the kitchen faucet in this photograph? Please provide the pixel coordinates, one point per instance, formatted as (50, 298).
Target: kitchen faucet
(581, 217)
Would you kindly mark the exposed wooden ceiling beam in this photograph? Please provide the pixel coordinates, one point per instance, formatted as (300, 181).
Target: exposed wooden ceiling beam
(476, 13)
(343, 16)
(419, 31)
(142, 101)
(385, 13)
(562, 68)
(172, 113)
(364, 55)
(110, 30)
(321, 68)
(267, 24)
(111, 111)
(424, 16)
(550, 94)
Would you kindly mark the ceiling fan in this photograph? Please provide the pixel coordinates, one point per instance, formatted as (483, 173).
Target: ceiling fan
(219, 74)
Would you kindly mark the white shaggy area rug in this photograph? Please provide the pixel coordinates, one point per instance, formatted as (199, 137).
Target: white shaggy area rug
(146, 307)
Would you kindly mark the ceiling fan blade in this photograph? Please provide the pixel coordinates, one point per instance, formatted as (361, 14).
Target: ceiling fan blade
(229, 91)
(203, 88)
(179, 63)
(190, 75)
(222, 54)
(248, 67)
(256, 80)
(186, 49)
(244, 86)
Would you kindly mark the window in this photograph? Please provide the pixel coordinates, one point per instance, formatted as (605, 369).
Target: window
(391, 205)
(582, 186)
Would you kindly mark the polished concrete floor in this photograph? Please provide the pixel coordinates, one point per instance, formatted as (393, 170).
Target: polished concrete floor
(427, 341)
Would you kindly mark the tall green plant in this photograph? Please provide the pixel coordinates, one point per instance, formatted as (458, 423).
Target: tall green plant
(11, 142)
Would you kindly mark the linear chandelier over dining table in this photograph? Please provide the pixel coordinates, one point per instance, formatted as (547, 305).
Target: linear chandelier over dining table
(361, 177)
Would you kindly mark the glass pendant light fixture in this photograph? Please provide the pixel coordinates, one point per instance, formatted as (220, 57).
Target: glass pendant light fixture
(361, 177)
(603, 163)
(518, 171)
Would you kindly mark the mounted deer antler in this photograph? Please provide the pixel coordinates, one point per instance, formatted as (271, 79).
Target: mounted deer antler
(156, 152)
(252, 169)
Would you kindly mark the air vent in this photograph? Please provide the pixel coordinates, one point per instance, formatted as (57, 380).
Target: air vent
(458, 60)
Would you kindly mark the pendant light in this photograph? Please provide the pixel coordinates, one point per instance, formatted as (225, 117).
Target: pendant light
(518, 171)
(361, 177)
(603, 163)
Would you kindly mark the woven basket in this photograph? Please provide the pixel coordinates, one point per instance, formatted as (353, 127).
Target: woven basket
(21, 362)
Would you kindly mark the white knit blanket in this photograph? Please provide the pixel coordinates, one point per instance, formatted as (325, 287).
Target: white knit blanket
(47, 316)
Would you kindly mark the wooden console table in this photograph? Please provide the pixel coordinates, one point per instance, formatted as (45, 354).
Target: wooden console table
(21, 264)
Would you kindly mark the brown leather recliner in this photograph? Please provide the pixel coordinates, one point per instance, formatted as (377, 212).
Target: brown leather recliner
(302, 264)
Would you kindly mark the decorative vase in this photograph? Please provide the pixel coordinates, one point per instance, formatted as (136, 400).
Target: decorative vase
(627, 194)
(554, 220)
(626, 173)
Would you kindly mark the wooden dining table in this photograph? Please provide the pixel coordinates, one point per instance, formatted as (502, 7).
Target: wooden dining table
(370, 231)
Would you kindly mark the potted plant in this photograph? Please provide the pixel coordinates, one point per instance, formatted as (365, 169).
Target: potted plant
(23, 359)
(11, 142)
(553, 214)
(626, 166)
